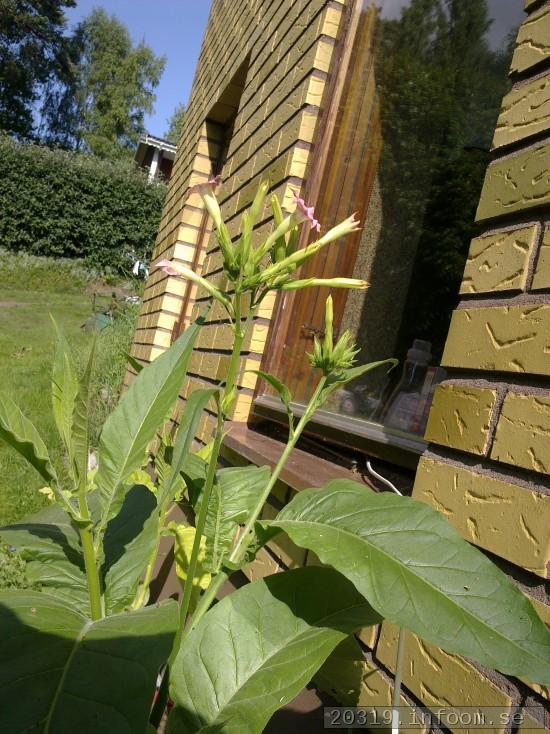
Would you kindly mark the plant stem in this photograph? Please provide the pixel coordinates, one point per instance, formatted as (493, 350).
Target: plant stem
(246, 535)
(92, 574)
(212, 468)
(245, 538)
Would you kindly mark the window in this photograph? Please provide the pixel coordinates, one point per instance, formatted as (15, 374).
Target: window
(405, 142)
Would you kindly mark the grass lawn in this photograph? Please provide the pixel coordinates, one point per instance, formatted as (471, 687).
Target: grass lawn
(27, 342)
(32, 289)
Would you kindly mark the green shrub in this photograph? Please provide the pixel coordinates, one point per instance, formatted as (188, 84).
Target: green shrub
(71, 205)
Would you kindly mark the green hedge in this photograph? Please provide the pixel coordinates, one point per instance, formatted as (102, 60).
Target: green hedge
(71, 205)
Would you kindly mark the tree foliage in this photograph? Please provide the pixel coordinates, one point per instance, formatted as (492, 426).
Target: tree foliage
(175, 124)
(67, 204)
(33, 53)
(100, 106)
(440, 87)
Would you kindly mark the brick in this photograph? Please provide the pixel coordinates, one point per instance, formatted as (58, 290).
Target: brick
(353, 681)
(504, 338)
(460, 417)
(525, 111)
(522, 436)
(517, 183)
(504, 518)
(436, 677)
(377, 690)
(541, 277)
(368, 636)
(499, 262)
(530, 725)
(533, 41)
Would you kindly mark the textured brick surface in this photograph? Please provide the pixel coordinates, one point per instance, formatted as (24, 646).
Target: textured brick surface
(437, 678)
(517, 183)
(506, 519)
(376, 690)
(460, 417)
(533, 41)
(541, 278)
(522, 436)
(525, 111)
(498, 262)
(505, 338)
(530, 725)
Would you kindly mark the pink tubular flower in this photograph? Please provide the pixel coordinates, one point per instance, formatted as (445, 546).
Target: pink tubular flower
(205, 186)
(167, 266)
(307, 212)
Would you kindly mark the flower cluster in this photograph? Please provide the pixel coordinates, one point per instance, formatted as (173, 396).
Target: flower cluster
(244, 264)
(328, 356)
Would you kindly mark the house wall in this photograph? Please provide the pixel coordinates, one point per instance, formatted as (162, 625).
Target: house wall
(286, 50)
(488, 462)
(489, 458)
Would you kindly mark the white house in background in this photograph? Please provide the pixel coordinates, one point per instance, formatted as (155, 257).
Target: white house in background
(156, 155)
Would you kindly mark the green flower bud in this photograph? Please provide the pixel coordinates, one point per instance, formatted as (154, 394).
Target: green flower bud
(330, 357)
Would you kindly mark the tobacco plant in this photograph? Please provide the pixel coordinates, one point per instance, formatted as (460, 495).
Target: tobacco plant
(84, 653)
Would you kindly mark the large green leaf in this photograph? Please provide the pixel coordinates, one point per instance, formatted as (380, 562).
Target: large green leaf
(133, 423)
(80, 427)
(18, 431)
(130, 539)
(60, 672)
(196, 403)
(256, 649)
(64, 391)
(234, 496)
(414, 569)
(50, 545)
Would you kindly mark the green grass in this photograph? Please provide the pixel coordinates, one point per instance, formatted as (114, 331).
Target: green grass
(27, 344)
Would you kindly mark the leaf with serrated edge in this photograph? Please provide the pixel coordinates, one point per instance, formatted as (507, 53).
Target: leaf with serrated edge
(133, 423)
(60, 672)
(254, 651)
(415, 569)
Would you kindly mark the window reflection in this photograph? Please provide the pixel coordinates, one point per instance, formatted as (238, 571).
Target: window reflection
(440, 71)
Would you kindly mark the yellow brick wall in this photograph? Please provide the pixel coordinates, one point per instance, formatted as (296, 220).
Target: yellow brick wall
(488, 462)
(285, 49)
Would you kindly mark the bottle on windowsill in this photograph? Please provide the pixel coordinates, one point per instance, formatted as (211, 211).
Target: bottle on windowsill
(405, 409)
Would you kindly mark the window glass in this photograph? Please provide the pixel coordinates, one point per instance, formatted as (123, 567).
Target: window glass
(416, 120)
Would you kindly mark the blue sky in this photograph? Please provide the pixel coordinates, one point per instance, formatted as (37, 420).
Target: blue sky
(173, 28)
